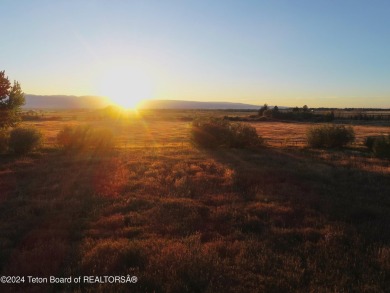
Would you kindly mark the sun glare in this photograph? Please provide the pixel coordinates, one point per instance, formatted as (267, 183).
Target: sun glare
(125, 87)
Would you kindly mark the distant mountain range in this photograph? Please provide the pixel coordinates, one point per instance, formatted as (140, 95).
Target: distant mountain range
(178, 104)
(96, 102)
(64, 102)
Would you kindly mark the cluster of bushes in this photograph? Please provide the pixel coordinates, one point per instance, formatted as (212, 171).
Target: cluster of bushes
(379, 145)
(20, 140)
(330, 136)
(83, 138)
(214, 133)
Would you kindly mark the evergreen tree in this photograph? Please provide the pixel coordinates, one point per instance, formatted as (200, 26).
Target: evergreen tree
(262, 109)
(11, 99)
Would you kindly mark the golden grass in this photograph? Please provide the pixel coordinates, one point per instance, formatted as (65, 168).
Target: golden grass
(167, 129)
(280, 219)
(294, 134)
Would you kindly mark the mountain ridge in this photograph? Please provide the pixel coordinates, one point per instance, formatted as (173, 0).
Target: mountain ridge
(96, 102)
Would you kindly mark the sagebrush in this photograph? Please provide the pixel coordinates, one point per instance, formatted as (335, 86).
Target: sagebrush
(24, 140)
(379, 145)
(330, 136)
(83, 138)
(214, 133)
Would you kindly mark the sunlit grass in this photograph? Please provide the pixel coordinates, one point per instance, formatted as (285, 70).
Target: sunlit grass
(280, 219)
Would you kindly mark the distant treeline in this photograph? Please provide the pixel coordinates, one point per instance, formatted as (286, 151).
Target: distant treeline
(353, 109)
(324, 114)
(357, 114)
(297, 114)
(305, 116)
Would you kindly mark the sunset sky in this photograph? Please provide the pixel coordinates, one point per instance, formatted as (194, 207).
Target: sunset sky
(289, 53)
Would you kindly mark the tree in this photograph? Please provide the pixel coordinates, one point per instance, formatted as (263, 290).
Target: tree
(11, 99)
(305, 108)
(262, 109)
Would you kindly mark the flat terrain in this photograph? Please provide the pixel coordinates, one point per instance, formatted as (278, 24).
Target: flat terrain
(284, 218)
(171, 127)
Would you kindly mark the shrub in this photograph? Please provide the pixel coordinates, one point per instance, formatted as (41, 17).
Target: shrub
(243, 135)
(82, 138)
(369, 142)
(268, 113)
(330, 136)
(382, 147)
(379, 145)
(24, 140)
(213, 133)
(209, 133)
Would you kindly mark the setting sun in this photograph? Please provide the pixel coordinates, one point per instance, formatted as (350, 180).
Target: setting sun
(126, 87)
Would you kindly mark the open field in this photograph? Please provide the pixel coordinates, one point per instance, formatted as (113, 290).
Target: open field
(171, 127)
(283, 218)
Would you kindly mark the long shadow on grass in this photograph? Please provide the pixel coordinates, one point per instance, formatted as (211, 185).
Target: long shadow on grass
(342, 194)
(48, 202)
(334, 219)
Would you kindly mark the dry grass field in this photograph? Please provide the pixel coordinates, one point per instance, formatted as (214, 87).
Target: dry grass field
(283, 218)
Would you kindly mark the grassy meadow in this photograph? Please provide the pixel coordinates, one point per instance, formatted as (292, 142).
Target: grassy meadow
(282, 218)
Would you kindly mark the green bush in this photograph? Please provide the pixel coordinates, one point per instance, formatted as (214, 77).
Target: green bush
(330, 136)
(24, 140)
(379, 145)
(4, 140)
(214, 133)
(83, 138)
